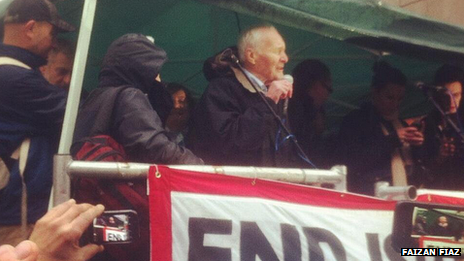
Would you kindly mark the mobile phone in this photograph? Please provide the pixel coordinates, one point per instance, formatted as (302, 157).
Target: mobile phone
(427, 225)
(114, 227)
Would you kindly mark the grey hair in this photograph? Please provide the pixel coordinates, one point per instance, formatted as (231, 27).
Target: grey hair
(250, 39)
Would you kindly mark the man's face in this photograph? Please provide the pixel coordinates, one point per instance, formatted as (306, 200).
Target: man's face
(58, 70)
(455, 90)
(270, 56)
(43, 38)
(443, 221)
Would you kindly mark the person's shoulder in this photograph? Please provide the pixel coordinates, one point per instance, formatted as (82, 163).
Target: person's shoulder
(119, 91)
(22, 81)
(357, 118)
(130, 94)
(354, 114)
(226, 85)
(16, 74)
(129, 98)
(128, 90)
(225, 81)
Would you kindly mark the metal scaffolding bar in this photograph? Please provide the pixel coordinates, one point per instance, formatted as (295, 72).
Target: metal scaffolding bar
(117, 170)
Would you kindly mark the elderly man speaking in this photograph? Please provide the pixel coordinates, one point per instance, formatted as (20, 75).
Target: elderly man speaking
(233, 126)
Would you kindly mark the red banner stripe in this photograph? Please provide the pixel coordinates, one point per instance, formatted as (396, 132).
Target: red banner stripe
(197, 182)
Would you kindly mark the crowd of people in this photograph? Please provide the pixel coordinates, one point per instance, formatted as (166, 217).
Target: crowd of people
(232, 124)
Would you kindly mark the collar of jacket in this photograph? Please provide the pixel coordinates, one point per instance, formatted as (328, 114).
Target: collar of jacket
(22, 55)
(243, 80)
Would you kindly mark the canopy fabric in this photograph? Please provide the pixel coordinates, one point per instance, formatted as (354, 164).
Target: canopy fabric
(364, 22)
(191, 31)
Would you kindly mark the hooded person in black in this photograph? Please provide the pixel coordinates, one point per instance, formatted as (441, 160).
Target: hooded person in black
(130, 105)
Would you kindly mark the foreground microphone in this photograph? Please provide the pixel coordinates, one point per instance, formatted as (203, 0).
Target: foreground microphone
(289, 79)
(427, 87)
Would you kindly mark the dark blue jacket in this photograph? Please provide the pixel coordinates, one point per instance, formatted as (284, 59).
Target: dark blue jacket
(29, 107)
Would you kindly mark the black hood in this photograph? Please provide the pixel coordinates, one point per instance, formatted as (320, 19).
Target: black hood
(134, 60)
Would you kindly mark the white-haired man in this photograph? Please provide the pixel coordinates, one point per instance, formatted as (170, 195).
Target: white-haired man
(232, 125)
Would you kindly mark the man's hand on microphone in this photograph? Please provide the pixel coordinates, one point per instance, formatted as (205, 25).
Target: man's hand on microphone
(279, 89)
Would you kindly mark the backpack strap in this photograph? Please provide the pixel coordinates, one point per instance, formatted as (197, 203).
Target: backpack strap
(4, 174)
(111, 188)
(10, 61)
(20, 154)
(23, 153)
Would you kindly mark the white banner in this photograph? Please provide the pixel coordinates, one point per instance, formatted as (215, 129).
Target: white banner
(204, 217)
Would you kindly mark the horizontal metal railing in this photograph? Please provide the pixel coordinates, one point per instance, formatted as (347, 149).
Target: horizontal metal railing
(336, 176)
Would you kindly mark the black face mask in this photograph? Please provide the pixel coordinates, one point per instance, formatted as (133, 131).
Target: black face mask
(160, 100)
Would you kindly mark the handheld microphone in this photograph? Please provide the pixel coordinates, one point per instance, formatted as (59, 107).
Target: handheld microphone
(289, 79)
(428, 87)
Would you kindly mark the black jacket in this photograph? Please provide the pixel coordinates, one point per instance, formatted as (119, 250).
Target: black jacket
(234, 127)
(365, 150)
(127, 103)
(444, 172)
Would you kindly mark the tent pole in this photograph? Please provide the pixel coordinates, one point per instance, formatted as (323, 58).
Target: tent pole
(61, 189)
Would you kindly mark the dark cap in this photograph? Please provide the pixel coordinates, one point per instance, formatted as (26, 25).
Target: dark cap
(21, 11)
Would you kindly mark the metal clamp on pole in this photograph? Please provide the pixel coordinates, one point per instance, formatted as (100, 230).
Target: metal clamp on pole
(385, 191)
(61, 182)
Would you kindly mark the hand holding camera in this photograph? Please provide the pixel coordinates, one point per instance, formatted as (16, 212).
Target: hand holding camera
(57, 233)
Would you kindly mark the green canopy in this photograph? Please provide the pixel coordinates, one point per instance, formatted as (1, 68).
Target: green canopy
(364, 22)
(347, 35)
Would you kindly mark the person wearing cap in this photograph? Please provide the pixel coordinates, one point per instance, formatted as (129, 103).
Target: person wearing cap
(31, 112)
